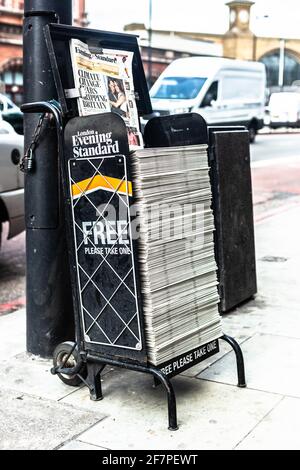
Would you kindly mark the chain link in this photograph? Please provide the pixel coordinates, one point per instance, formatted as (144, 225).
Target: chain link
(27, 162)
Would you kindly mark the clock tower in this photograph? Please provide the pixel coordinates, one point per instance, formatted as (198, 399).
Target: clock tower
(239, 41)
(239, 14)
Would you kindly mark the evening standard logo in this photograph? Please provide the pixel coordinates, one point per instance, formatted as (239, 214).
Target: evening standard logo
(83, 52)
(111, 60)
(90, 143)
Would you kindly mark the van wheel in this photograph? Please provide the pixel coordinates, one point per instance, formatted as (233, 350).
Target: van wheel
(252, 133)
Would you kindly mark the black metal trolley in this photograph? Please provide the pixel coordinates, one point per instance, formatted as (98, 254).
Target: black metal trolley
(109, 326)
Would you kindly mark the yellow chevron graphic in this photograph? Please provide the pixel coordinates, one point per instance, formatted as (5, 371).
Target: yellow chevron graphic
(107, 183)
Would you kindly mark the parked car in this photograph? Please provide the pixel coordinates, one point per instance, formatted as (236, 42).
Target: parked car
(11, 113)
(284, 110)
(223, 91)
(11, 180)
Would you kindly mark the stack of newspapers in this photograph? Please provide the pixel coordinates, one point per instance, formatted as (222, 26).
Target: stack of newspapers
(176, 250)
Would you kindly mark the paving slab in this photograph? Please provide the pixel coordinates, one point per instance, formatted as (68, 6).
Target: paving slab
(277, 292)
(210, 415)
(279, 430)
(281, 321)
(271, 363)
(12, 334)
(278, 259)
(29, 423)
(31, 374)
(78, 445)
(279, 235)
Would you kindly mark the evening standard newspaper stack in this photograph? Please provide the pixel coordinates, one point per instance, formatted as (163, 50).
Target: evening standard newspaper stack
(176, 250)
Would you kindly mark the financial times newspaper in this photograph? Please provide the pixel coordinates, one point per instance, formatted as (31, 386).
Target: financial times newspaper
(104, 83)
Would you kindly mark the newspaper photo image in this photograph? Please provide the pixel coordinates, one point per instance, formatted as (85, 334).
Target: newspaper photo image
(104, 82)
(122, 104)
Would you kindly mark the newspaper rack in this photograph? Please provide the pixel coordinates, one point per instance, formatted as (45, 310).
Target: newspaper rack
(109, 327)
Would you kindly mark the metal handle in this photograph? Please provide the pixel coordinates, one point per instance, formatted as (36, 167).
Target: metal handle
(53, 107)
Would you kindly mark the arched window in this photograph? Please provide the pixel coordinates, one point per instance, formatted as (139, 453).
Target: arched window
(291, 68)
(11, 76)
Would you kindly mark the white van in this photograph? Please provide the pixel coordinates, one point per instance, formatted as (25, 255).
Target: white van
(223, 91)
(284, 110)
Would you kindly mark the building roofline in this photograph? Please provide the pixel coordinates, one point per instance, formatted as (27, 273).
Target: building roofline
(240, 3)
(276, 38)
(133, 27)
(11, 12)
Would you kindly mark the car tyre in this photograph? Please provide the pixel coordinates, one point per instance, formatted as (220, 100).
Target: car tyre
(252, 133)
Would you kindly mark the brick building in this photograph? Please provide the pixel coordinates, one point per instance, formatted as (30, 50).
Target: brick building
(280, 55)
(11, 62)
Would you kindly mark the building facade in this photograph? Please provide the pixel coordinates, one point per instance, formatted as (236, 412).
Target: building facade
(11, 53)
(280, 55)
(167, 46)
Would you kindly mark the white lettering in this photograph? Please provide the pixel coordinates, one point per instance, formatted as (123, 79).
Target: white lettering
(106, 233)
(111, 233)
(98, 230)
(86, 231)
(211, 346)
(122, 232)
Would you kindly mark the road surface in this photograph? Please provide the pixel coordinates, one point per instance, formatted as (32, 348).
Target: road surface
(275, 163)
(275, 146)
(276, 186)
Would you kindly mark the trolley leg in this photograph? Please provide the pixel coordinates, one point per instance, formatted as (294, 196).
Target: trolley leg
(172, 411)
(239, 360)
(94, 381)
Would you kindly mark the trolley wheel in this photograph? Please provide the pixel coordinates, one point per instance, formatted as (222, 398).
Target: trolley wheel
(60, 354)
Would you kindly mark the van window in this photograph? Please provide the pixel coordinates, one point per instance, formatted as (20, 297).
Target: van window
(211, 95)
(241, 86)
(179, 88)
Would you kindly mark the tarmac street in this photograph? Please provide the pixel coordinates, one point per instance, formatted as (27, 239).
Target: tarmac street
(212, 412)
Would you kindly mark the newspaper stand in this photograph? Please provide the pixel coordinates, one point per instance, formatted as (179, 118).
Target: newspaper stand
(109, 327)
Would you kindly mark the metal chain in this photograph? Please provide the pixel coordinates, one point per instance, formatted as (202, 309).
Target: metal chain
(27, 162)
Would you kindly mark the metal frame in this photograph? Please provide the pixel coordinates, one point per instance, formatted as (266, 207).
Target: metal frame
(95, 362)
(239, 359)
(56, 35)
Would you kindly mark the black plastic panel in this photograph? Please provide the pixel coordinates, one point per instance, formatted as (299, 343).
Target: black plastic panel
(233, 209)
(176, 130)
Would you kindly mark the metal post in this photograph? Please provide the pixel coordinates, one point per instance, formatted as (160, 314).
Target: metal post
(281, 63)
(49, 300)
(150, 46)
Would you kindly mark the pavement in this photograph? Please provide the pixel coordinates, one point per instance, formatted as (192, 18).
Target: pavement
(38, 411)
